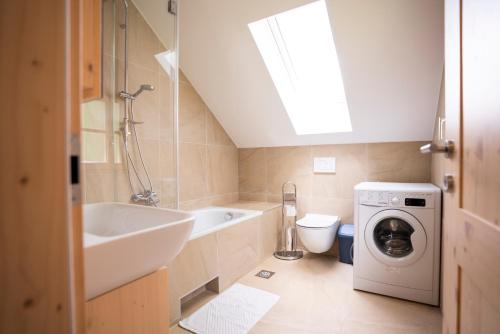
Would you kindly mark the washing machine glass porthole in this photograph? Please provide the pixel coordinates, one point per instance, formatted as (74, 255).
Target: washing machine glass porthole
(392, 237)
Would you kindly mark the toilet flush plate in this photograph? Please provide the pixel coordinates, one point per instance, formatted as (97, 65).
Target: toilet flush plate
(324, 165)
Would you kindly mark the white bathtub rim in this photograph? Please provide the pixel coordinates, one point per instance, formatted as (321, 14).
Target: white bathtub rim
(249, 214)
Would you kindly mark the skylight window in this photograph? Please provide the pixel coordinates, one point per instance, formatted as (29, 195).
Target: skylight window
(299, 52)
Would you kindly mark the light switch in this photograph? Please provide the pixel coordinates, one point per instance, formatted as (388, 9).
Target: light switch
(324, 165)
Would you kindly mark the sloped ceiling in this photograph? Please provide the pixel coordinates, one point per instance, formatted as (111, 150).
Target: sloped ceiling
(390, 53)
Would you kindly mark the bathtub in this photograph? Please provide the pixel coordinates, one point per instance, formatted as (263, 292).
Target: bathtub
(212, 219)
(224, 245)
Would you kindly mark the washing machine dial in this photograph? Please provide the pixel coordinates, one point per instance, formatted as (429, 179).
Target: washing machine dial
(395, 200)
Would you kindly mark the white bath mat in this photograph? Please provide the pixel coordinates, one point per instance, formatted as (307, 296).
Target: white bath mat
(235, 311)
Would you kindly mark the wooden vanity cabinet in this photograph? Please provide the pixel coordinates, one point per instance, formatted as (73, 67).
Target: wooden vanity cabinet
(137, 307)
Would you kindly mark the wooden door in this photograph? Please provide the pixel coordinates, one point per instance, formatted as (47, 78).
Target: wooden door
(471, 231)
(75, 86)
(40, 262)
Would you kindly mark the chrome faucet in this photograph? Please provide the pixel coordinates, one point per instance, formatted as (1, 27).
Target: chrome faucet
(147, 197)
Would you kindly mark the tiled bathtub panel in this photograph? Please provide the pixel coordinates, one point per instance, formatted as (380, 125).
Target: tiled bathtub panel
(227, 254)
(192, 268)
(268, 232)
(238, 251)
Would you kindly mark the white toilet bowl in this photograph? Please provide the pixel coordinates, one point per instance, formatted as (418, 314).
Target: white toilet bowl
(317, 232)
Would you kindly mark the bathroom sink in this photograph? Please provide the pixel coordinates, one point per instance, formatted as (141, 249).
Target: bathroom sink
(123, 242)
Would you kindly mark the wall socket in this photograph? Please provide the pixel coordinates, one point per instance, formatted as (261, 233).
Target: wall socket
(324, 165)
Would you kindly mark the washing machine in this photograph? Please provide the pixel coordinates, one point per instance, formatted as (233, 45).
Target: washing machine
(397, 240)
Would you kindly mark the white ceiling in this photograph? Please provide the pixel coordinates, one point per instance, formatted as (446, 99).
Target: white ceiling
(390, 52)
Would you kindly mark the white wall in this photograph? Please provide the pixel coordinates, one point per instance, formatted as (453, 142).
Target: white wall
(391, 54)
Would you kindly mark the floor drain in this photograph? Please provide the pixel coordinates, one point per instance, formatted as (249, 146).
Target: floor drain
(265, 274)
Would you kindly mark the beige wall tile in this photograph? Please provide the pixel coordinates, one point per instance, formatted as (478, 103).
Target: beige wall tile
(393, 162)
(252, 170)
(192, 115)
(150, 149)
(259, 197)
(275, 198)
(168, 196)
(387, 162)
(222, 169)
(289, 164)
(198, 125)
(195, 204)
(143, 43)
(215, 132)
(221, 200)
(166, 107)
(397, 162)
(344, 208)
(167, 159)
(192, 168)
(255, 205)
(350, 170)
(98, 186)
(420, 169)
(122, 185)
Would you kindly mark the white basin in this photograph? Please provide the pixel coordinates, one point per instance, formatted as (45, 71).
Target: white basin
(124, 242)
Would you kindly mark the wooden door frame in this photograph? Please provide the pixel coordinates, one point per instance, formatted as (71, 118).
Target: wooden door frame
(75, 82)
(451, 200)
(41, 285)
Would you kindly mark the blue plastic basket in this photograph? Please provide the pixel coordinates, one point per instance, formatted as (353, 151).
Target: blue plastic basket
(346, 243)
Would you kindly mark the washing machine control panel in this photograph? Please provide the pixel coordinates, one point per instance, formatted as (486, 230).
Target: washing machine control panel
(396, 199)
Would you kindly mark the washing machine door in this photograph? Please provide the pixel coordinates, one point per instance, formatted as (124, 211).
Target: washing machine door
(395, 237)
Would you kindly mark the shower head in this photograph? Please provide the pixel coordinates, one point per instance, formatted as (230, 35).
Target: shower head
(143, 88)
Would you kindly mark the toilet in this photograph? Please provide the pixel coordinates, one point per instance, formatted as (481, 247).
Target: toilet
(317, 232)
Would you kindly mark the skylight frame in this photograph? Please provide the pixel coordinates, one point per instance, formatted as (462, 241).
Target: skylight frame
(311, 90)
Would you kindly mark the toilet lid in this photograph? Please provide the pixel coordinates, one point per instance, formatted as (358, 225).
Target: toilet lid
(312, 220)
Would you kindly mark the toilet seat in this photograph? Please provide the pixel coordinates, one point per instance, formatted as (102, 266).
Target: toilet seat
(317, 232)
(317, 221)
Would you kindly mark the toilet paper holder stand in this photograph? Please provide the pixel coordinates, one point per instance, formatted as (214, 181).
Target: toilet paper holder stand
(288, 243)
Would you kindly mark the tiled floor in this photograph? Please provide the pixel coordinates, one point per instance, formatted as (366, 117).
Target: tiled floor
(317, 297)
